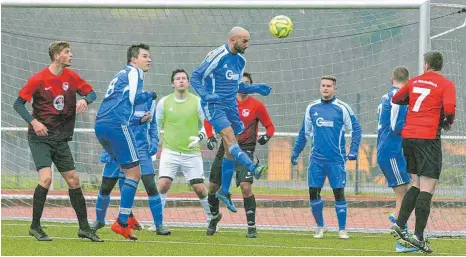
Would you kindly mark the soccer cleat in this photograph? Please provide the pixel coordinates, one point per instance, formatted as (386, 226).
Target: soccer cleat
(227, 200)
(133, 223)
(125, 232)
(252, 233)
(89, 234)
(343, 234)
(163, 231)
(400, 235)
(97, 225)
(212, 228)
(152, 229)
(320, 232)
(259, 170)
(421, 245)
(39, 234)
(399, 248)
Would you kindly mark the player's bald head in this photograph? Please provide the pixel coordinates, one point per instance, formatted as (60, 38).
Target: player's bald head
(238, 32)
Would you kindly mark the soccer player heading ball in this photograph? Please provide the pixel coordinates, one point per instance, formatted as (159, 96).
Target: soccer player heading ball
(217, 80)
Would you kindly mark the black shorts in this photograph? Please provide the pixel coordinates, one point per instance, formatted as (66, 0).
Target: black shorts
(45, 151)
(242, 173)
(423, 156)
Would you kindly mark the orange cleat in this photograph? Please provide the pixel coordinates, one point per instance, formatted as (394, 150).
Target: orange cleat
(133, 223)
(126, 232)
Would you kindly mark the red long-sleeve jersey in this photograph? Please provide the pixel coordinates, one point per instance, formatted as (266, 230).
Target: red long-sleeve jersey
(251, 112)
(432, 100)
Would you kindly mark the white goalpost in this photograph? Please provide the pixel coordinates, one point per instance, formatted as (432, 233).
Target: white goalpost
(358, 41)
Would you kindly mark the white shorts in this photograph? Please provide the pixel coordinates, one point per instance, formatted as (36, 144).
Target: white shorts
(190, 164)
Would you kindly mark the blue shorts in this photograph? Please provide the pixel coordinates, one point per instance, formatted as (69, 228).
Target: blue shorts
(118, 141)
(395, 170)
(223, 116)
(112, 170)
(336, 174)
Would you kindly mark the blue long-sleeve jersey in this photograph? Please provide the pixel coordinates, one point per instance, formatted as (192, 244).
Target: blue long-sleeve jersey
(144, 134)
(220, 73)
(123, 93)
(391, 120)
(326, 122)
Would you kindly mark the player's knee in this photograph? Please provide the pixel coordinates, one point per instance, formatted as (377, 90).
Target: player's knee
(199, 187)
(72, 179)
(107, 185)
(45, 181)
(164, 184)
(246, 189)
(339, 194)
(149, 184)
(213, 188)
(314, 193)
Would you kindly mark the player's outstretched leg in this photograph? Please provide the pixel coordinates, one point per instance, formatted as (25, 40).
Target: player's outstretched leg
(155, 204)
(244, 159)
(317, 207)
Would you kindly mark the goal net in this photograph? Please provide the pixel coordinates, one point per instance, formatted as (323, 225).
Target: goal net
(360, 47)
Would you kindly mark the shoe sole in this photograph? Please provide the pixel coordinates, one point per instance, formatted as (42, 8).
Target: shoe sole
(400, 240)
(85, 237)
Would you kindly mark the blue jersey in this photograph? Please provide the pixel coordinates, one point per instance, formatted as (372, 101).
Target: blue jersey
(144, 134)
(326, 122)
(391, 120)
(123, 93)
(221, 73)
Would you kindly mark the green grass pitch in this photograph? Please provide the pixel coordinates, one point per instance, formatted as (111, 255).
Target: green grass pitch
(193, 241)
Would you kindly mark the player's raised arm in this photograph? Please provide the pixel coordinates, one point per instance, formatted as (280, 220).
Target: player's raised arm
(303, 136)
(265, 120)
(262, 89)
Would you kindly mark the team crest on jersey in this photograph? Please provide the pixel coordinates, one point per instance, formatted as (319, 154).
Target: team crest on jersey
(59, 102)
(65, 86)
(245, 112)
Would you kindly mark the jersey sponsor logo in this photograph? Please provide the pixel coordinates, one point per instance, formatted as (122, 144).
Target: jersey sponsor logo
(47, 88)
(324, 123)
(230, 75)
(245, 112)
(65, 86)
(425, 82)
(59, 102)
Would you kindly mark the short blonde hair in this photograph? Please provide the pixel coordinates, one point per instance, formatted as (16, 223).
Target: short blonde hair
(330, 77)
(56, 48)
(400, 74)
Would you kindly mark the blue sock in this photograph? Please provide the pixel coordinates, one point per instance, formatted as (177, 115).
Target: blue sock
(127, 199)
(155, 205)
(317, 208)
(228, 168)
(242, 157)
(101, 207)
(341, 209)
(121, 182)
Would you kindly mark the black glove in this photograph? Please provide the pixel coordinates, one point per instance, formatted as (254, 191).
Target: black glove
(263, 139)
(212, 143)
(154, 95)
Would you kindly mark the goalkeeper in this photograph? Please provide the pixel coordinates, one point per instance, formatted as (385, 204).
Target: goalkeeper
(146, 140)
(325, 121)
(217, 80)
(251, 111)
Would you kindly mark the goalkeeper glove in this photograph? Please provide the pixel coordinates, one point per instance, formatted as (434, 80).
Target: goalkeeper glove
(263, 139)
(294, 159)
(352, 156)
(445, 125)
(195, 140)
(210, 98)
(212, 143)
(154, 147)
(263, 89)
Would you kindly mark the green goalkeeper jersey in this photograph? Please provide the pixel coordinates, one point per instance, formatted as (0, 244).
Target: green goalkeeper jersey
(179, 119)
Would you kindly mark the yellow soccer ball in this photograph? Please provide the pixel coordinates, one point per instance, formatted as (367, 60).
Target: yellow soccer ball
(281, 26)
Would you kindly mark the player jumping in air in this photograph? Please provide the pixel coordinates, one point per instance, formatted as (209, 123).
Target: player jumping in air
(431, 100)
(112, 122)
(326, 121)
(391, 120)
(217, 80)
(251, 111)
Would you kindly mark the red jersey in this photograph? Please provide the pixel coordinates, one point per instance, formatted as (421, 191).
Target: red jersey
(54, 100)
(251, 111)
(431, 98)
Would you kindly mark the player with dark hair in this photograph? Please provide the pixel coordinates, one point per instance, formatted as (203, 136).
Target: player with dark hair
(431, 100)
(51, 125)
(251, 112)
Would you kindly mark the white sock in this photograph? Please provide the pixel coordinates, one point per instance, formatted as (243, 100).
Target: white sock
(205, 205)
(163, 198)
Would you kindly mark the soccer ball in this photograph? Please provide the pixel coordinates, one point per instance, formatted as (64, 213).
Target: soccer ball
(281, 26)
